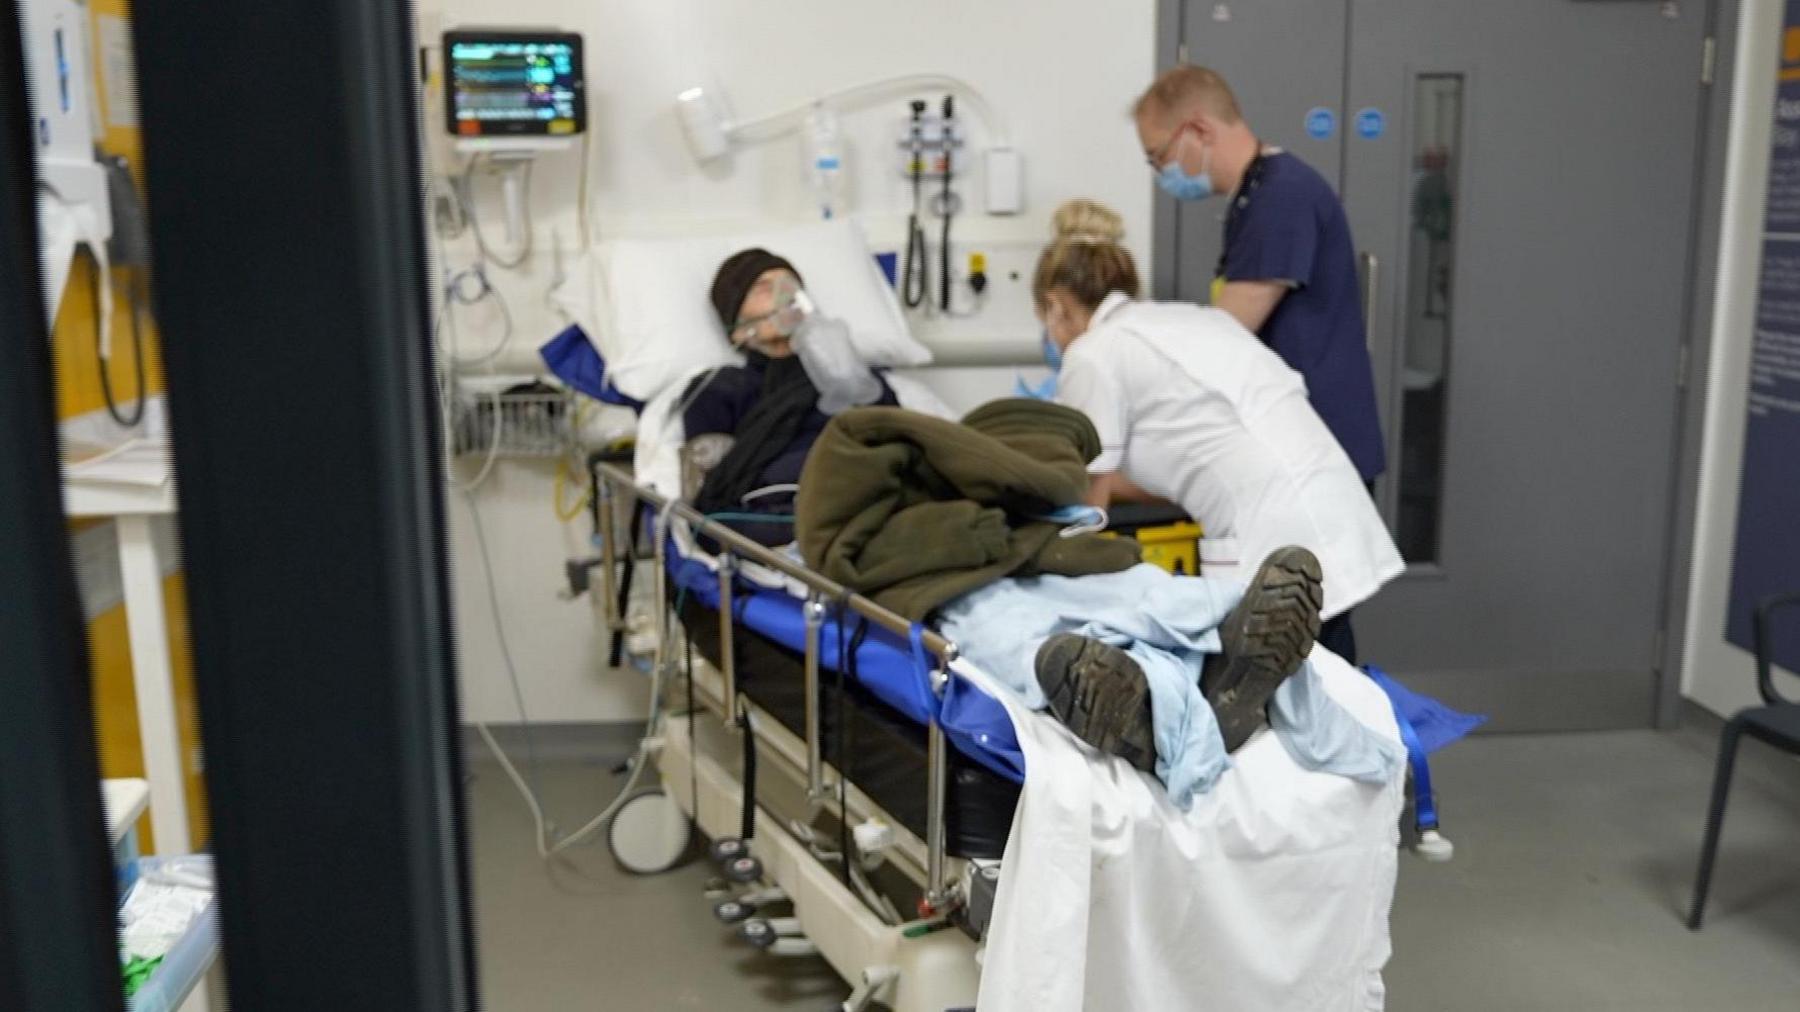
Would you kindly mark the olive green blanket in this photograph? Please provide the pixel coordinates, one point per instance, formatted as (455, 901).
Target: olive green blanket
(914, 511)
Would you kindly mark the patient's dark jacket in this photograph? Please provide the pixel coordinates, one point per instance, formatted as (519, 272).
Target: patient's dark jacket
(771, 408)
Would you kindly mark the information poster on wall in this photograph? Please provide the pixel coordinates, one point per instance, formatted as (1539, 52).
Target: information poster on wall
(1767, 555)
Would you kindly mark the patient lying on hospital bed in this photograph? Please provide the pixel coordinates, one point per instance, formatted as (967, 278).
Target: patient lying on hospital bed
(759, 420)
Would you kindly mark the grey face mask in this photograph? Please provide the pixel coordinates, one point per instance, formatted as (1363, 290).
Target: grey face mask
(792, 306)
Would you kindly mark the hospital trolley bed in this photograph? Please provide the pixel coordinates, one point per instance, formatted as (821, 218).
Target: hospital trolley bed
(927, 784)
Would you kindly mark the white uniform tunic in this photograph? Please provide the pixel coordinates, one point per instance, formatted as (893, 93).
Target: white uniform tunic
(1193, 408)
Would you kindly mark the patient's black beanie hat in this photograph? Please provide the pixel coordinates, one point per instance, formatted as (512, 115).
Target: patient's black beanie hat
(735, 278)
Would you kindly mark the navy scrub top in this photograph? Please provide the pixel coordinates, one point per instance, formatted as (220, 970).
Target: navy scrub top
(1286, 224)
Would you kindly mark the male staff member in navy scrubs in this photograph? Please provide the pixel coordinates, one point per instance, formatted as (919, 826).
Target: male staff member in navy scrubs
(1288, 272)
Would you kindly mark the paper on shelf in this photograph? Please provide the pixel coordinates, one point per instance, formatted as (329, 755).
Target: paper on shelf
(140, 462)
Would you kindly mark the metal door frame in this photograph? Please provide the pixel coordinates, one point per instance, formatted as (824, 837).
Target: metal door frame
(1704, 227)
(1688, 401)
(286, 199)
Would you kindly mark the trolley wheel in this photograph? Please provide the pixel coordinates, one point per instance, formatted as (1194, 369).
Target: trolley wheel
(727, 849)
(758, 932)
(744, 870)
(649, 834)
(733, 911)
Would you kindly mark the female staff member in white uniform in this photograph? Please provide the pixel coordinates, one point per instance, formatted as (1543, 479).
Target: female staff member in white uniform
(1192, 408)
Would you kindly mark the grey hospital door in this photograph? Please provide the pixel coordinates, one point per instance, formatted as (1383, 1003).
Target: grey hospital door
(1519, 178)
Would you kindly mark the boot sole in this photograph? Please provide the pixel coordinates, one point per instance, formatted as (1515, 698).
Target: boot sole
(1101, 695)
(1264, 639)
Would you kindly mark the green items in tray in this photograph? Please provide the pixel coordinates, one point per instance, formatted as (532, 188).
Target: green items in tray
(137, 973)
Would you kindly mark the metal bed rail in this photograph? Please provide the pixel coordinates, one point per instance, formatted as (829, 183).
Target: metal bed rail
(940, 891)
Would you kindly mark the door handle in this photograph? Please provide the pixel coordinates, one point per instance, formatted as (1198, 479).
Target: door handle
(1371, 272)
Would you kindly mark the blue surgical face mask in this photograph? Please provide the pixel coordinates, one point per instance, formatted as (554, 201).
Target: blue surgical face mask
(1046, 390)
(1178, 184)
(1052, 354)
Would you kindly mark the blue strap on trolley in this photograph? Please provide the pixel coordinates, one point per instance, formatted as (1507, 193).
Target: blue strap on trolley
(1426, 726)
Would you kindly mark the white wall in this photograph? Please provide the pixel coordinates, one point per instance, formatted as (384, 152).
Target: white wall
(1715, 673)
(559, 647)
(1061, 73)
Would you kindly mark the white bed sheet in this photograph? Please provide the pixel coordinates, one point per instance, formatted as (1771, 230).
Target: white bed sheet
(1271, 894)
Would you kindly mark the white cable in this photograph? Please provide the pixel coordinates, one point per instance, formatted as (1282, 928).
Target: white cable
(545, 849)
(446, 400)
(662, 531)
(559, 269)
(487, 571)
(455, 296)
(679, 411)
(448, 360)
(687, 401)
(493, 451)
(878, 903)
(788, 488)
(559, 276)
(775, 124)
(638, 762)
(582, 193)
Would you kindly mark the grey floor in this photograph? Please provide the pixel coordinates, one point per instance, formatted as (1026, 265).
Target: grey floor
(1575, 858)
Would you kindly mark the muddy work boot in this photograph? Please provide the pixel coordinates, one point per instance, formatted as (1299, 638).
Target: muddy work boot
(1099, 693)
(1263, 641)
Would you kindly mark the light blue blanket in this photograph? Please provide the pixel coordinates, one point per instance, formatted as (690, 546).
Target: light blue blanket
(1168, 624)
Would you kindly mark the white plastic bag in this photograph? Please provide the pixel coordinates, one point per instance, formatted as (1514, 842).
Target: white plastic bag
(842, 378)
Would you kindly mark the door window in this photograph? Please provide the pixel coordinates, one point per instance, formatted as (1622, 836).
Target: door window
(1428, 311)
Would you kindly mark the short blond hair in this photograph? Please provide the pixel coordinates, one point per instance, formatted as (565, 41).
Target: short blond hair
(1186, 89)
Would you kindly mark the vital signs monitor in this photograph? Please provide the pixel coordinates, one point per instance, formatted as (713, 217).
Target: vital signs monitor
(511, 85)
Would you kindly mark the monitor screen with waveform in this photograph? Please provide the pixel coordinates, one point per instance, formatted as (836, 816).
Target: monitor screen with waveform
(513, 84)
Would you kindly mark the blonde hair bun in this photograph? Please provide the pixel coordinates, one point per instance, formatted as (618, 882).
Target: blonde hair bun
(1086, 258)
(1083, 220)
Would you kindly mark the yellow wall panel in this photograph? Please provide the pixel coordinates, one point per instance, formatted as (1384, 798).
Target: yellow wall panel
(115, 707)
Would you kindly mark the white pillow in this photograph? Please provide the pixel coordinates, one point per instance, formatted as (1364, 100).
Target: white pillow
(659, 321)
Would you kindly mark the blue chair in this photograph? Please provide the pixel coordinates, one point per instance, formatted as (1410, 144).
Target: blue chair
(1777, 722)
